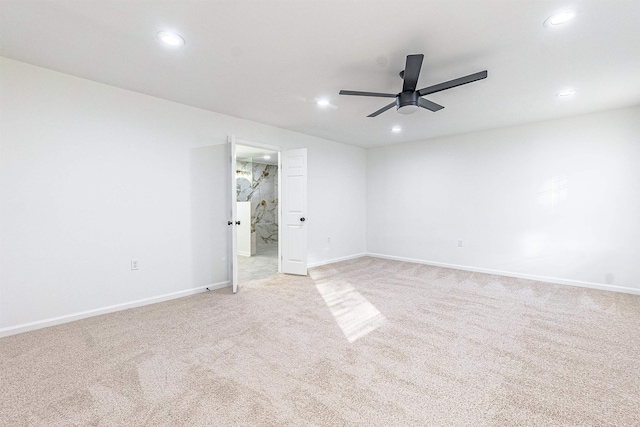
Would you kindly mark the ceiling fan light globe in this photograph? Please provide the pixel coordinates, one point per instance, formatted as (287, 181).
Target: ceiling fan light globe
(408, 102)
(408, 109)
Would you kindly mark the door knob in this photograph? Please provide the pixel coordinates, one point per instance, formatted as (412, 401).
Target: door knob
(303, 219)
(237, 222)
(229, 222)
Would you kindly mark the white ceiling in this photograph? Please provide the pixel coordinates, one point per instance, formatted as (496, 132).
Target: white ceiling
(269, 61)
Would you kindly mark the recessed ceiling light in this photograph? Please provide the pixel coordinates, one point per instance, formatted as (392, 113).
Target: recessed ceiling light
(559, 18)
(170, 39)
(566, 93)
(396, 129)
(323, 103)
(267, 157)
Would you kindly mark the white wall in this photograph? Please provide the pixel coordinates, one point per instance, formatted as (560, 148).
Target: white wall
(92, 176)
(558, 199)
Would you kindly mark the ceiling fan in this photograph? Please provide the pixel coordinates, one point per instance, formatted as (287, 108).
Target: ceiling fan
(410, 100)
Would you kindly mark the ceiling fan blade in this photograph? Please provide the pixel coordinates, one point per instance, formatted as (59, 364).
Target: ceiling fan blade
(382, 110)
(412, 72)
(356, 93)
(429, 105)
(453, 83)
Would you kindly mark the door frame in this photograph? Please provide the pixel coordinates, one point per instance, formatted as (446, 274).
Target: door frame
(233, 141)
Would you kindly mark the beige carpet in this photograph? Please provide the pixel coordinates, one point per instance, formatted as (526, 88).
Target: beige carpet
(363, 342)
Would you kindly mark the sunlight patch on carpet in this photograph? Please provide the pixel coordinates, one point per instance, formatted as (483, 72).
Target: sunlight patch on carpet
(355, 315)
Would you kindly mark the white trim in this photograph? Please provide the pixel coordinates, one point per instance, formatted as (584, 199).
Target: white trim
(254, 144)
(548, 279)
(279, 210)
(31, 326)
(277, 149)
(13, 330)
(243, 253)
(331, 261)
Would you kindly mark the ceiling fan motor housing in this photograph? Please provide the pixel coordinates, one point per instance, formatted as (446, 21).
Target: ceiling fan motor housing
(408, 102)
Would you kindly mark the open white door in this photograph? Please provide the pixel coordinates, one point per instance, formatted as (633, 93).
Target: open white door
(232, 220)
(293, 181)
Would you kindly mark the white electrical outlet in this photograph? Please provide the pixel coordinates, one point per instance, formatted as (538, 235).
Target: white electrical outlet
(135, 264)
(328, 239)
(459, 243)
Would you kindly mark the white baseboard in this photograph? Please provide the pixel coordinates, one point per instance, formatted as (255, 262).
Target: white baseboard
(243, 253)
(25, 327)
(557, 280)
(331, 261)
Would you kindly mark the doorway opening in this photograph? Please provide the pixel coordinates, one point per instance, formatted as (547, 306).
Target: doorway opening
(257, 211)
